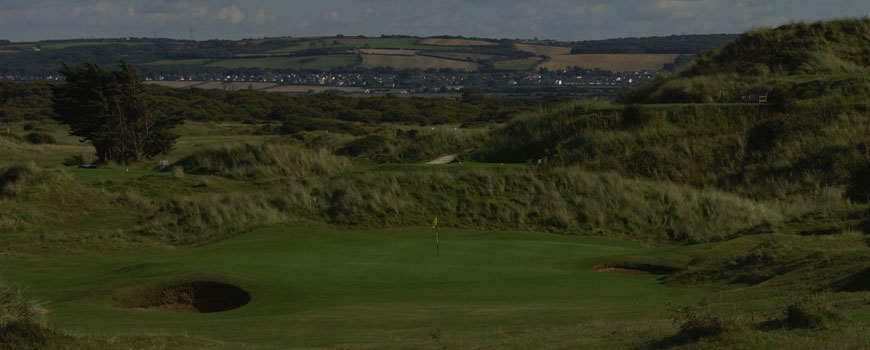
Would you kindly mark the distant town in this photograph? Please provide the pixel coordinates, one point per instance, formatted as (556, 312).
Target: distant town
(403, 82)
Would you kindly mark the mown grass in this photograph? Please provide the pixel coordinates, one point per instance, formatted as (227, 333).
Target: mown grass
(322, 287)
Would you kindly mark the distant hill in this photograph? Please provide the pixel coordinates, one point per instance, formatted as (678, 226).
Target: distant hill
(159, 56)
(795, 61)
(673, 44)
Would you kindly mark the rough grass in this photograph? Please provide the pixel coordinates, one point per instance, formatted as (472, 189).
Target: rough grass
(250, 160)
(560, 200)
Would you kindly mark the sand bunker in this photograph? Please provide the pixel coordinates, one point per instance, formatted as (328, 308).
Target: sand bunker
(196, 297)
(633, 269)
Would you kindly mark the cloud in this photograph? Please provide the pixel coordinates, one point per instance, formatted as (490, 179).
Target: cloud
(231, 14)
(555, 19)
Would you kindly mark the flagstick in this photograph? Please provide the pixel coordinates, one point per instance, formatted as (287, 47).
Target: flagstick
(436, 241)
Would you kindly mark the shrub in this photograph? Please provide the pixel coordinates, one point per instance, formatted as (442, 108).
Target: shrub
(74, 160)
(177, 172)
(765, 136)
(14, 308)
(858, 187)
(635, 116)
(39, 138)
(813, 311)
(697, 322)
(373, 147)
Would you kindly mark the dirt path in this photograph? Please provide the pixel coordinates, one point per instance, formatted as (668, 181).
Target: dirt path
(449, 158)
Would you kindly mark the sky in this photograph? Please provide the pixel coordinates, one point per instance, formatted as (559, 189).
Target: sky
(569, 20)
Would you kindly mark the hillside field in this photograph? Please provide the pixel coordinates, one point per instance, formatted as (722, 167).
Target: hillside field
(410, 62)
(611, 62)
(322, 62)
(544, 50)
(357, 43)
(455, 42)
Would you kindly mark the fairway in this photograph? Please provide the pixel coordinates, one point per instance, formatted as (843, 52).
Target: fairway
(314, 286)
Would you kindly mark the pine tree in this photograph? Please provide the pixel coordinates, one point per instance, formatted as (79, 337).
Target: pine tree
(110, 110)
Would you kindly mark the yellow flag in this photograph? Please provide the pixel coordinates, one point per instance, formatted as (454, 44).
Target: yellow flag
(435, 222)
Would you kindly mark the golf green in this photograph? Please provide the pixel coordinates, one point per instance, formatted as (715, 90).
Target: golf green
(316, 286)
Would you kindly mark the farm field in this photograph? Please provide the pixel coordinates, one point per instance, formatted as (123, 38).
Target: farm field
(544, 50)
(314, 88)
(610, 62)
(519, 64)
(195, 61)
(387, 52)
(410, 62)
(216, 85)
(316, 287)
(368, 43)
(174, 84)
(464, 56)
(322, 62)
(455, 42)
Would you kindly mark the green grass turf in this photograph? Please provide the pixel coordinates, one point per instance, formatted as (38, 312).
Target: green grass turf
(309, 62)
(373, 43)
(313, 286)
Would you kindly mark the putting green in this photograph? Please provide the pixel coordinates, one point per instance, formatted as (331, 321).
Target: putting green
(314, 286)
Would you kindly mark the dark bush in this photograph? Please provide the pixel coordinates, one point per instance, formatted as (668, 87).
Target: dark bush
(814, 312)
(765, 136)
(38, 138)
(832, 163)
(74, 160)
(697, 322)
(635, 116)
(372, 146)
(858, 186)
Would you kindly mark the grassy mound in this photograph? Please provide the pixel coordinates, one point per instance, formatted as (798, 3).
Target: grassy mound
(797, 60)
(250, 161)
(559, 200)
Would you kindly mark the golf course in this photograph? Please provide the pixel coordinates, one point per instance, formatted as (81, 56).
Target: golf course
(706, 209)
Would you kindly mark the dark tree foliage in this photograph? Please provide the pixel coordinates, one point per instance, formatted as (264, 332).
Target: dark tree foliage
(679, 44)
(110, 110)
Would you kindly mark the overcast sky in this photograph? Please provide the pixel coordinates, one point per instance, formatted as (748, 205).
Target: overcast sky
(30, 20)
